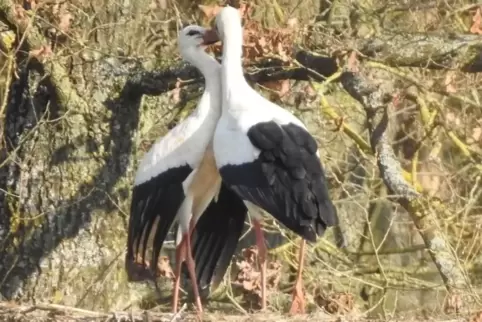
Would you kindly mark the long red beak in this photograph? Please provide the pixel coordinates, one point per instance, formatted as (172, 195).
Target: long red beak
(210, 37)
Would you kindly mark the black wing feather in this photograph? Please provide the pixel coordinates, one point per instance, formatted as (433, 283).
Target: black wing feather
(287, 179)
(216, 237)
(160, 197)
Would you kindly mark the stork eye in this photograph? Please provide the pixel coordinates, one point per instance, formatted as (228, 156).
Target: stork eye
(193, 32)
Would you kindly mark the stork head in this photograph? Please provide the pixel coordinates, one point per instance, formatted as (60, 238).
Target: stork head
(228, 23)
(192, 39)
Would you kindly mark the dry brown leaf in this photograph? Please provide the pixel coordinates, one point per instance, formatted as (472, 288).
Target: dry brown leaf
(33, 4)
(336, 303)
(273, 275)
(449, 82)
(245, 9)
(453, 303)
(292, 23)
(282, 52)
(164, 268)
(19, 13)
(158, 4)
(397, 99)
(285, 87)
(250, 254)
(176, 92)
(477, 317)
(41, 53)
(280, 87)
(477, 134)
(65, 21)
(310, 90)
(248, 277)
(263, 43)
(210, 11)
(250, 285)
(452, 119)
(257, 40)
(353, 63)
(476, 27)
(56, 8)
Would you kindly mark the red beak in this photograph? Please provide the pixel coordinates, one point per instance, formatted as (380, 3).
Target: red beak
(210, 37)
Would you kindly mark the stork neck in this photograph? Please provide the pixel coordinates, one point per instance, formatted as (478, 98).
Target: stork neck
(210, 103)
(209, 68)
(232, 69)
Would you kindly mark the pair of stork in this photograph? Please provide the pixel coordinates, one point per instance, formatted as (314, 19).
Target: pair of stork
(237, 152)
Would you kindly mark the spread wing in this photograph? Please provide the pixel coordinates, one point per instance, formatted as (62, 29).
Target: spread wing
(216, 237)
(154, 206)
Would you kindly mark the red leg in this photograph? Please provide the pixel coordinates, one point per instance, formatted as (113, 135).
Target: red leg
(192, 274)
(262, 259)
(180, 254)
(298, 303)
(191, 227)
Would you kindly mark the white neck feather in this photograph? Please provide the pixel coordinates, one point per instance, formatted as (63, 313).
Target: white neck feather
(232, 69)
(207, 65)
(211, 70)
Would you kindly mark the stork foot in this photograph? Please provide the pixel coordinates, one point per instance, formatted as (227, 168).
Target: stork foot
(298, 304)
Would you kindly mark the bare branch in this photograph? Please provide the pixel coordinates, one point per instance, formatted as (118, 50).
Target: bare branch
(422, 209)
(462, 52)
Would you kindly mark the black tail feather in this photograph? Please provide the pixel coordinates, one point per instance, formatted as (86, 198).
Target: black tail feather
(216, 237)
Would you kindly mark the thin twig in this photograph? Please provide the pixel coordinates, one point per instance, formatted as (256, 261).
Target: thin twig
(177, 315)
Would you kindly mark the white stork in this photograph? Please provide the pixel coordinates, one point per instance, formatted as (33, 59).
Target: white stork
(177, 179)
(267, 156)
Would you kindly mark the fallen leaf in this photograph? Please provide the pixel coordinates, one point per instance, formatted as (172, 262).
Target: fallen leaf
(33, 4)
(176, 92)
(449, 82)
(164, 268)
(158, 4)
(273, 275)
(452, 119)
(476, 134)
(19, 12)
(476, 26)
(292, 23)
(453, 303)
(65, 21)
(397, 98)
(282, 52)
(335, 303)
(310, 90)
(245, 9)
(477, 317)
(262, 43)
(210, 11)
(56, 8)
(41, 53)
(250, 254)
(280, 87)
(248, 277)
(353, 63)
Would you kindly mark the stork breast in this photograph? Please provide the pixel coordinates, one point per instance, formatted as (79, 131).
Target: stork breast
(206, 181)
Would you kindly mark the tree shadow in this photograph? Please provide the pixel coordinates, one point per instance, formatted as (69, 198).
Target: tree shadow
(22, 244)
